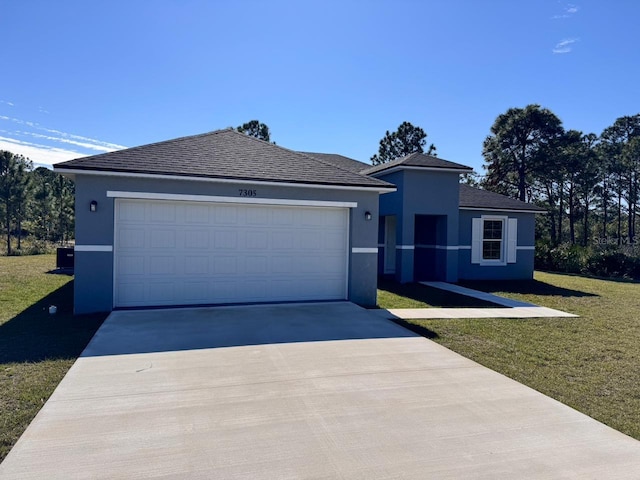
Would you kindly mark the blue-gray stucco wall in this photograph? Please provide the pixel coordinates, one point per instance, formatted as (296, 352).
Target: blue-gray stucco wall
(423, 192)
(94, 269)
(522, 269)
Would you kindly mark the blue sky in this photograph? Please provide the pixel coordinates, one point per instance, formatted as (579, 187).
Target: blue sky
(82, 78)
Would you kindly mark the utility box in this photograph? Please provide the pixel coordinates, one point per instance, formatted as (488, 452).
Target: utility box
(64, 258)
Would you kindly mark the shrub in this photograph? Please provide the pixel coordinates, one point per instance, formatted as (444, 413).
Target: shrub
(602, 261)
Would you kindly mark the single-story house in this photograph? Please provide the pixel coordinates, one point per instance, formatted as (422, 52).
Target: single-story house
(223, 218)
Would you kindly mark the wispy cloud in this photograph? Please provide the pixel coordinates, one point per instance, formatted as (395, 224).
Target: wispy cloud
(38, 153)
(565, 46)
(52, 145)
(7, 103)
(568, 11)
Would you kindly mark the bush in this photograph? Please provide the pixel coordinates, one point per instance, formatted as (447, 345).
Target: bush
(602, 261)
(612, 262)
(31, 246)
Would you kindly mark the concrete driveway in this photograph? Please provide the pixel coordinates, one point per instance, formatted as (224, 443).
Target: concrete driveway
(299, 391)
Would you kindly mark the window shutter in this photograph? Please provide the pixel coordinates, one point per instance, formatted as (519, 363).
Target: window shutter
(476, 240)
(512, 240)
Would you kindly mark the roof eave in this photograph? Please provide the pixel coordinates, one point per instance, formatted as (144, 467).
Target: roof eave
(396, 168)
(160, 176)
(497, 209)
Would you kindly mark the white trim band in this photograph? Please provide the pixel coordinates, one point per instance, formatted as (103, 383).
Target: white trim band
(217, 199)
(526, 247)
(76, 171)
(364, 250)
(93, 248)
(440, 247)
(405, 247)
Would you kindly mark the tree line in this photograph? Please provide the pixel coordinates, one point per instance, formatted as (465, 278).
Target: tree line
(35, 203)
(588, 183)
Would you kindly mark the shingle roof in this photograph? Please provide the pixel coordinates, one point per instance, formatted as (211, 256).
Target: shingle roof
(224, 154)
(340, 161)
(418, 160)
(471, 197)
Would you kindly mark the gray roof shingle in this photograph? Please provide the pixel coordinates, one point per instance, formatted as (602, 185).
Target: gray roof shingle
(341, 161)
(224, 154)
(418, 160)
(471, 197)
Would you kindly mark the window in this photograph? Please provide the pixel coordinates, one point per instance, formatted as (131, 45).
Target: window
(492, 239)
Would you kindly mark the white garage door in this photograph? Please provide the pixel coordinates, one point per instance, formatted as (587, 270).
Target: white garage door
(187, 253)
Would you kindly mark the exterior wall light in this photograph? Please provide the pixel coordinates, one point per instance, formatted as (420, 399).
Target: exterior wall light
(367, 216)
(93, 206)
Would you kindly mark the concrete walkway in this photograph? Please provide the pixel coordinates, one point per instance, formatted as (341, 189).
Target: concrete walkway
(300, 391)
(513, 308)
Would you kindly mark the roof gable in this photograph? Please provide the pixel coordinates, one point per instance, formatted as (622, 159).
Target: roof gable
(472, 197)
(418, 160)
(223, 154)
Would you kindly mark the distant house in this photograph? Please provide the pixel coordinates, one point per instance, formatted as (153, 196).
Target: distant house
(224, 218)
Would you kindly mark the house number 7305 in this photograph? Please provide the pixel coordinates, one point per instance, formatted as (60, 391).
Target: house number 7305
(243, 192)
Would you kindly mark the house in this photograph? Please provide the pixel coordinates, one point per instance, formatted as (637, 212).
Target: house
(434, 228)
(224, 218)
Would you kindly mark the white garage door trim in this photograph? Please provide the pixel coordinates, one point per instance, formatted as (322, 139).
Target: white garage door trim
(338, 274)
(221, 199)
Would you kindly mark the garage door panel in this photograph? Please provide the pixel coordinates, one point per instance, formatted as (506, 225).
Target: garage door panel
(162, 293)
(257, 240)
(131, 213)
(282, 264)
(163, 238)
(282, 240)
(131, 237)
(225, 239)
(131, 293)
(197, 214)
(197, 239)
(249, 253)
(225, 215)
(164, 265)
(163, 212)
(225, 265)
(196, 265)
(196, 291)
(128, 265)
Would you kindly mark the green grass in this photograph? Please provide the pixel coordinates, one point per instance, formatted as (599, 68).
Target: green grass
(414, 295)
(36, 349)
(591, 363)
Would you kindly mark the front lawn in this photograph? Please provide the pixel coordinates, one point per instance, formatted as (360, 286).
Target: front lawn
(36, 349)
(591, 363)
(415, 295)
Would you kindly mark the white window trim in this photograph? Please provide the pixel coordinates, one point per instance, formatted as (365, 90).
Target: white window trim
(503, 250)
(509, 250)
